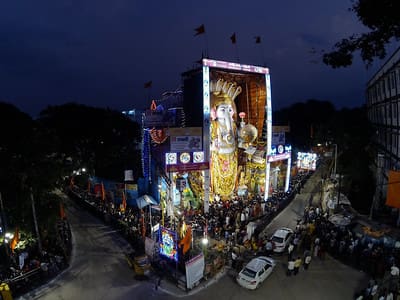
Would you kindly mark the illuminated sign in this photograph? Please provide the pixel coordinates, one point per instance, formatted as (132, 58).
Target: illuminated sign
(279, 157)
(234, 66)
(280, 149)
(280, 152)
(171, 158)
(185, 161)
(307, 161)
(186, 139)
(168, 243)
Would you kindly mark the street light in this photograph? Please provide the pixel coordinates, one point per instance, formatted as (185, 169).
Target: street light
(335, 161)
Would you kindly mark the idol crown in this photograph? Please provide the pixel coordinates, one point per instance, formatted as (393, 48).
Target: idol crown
(230, 89)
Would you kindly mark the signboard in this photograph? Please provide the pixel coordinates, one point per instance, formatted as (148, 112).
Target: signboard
(188, 167)
(280, 129)
(279, 157)
(278, 138)
(186, 139)
(307, 161)
(168, 243)
(194, 270)
(185, 161)
(128, 175)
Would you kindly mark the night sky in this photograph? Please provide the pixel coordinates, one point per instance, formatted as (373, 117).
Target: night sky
(101, 53)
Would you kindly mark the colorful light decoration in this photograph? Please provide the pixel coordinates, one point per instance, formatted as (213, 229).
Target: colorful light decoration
(158, 136)
(168, 243)
(146, 155)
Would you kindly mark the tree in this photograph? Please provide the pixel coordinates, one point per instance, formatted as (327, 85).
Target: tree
(307, 122)
(102, 140)
(26, 158)
(382, 18)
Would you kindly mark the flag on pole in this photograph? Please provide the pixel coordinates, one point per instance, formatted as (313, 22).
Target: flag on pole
(187, 240)
(123, 201)
(233, 38)
(15, 239)
(200, 30)
(103, 192)
(148, 84)
(393, 189)
(71, 182)
(62, 211)
(258, 39)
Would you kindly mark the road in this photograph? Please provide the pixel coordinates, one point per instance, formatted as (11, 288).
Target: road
(99, 270)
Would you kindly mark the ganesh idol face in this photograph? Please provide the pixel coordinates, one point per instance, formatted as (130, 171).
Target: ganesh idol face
(224, 116)
(224, 129)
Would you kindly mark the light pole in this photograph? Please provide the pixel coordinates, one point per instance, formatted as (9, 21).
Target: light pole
(335, 161)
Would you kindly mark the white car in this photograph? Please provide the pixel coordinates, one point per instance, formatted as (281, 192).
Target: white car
(281, 239)
(255, 272)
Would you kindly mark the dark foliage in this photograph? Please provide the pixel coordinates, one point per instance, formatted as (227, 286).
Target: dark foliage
(382, 19)
(317, 122)
(38, 154)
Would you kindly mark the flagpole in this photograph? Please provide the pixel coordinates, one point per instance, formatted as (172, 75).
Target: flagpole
(206, 41)
(4, 224)
(262, 55)
(233, 40)
(237, 53)
(36, 223)
(202, 30)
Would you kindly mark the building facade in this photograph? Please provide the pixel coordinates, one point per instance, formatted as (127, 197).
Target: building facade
(383, 108)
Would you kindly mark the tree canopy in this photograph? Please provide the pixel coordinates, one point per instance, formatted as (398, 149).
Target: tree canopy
(382, 19)
(36, 155)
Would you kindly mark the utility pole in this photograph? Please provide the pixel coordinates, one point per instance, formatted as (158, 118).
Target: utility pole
(35, 222)
(338, 197)
(335, 162)
(4, 224)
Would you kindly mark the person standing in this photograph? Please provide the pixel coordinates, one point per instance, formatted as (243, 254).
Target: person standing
(307, 259)
(290, 251)
(290, 268)
(297, 264)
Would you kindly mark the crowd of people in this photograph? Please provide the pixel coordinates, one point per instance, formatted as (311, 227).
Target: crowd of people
(316, 235)
(32, 265)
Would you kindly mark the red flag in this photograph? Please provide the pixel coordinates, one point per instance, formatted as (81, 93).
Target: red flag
(15, 239)
(233, 38)
(103, 192)
(148, 84)
(258, 39)
(62, 211)
(71, 182)
(123, 201)
(393, 189)
(200, 30)
(187, 240)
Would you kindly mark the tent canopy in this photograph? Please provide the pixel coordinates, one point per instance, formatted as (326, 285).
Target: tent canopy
(144, 201)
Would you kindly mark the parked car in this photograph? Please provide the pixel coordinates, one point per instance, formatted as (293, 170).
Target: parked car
(255, 272)
(281, 239)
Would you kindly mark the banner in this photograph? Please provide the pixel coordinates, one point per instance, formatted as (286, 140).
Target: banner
(393, 189)
(128, 175)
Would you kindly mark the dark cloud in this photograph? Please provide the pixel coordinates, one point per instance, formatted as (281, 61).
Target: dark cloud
(100, 53)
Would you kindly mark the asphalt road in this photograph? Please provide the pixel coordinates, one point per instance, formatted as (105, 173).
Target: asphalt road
(99, 270)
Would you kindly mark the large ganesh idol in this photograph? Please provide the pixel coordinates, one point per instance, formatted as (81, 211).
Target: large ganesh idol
(223, 135)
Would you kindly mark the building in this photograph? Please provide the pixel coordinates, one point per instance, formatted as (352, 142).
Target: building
(383, 109)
